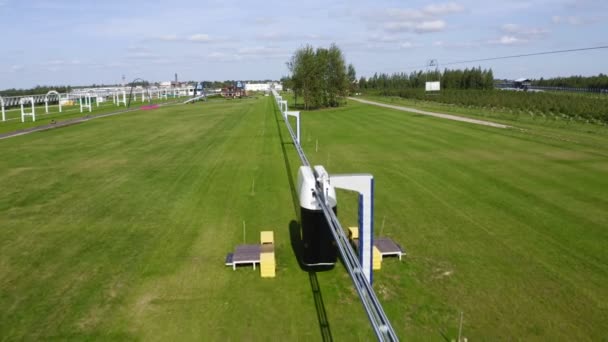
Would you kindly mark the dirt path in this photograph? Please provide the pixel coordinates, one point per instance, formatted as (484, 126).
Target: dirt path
(439, 115)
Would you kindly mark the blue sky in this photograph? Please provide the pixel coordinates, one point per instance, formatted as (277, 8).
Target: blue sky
(83, 42)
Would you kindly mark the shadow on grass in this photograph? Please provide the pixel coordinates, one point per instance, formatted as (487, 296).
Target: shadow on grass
(296, 240)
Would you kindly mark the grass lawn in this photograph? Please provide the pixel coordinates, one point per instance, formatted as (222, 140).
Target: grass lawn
(13, 115)
(508, 226)
(117, 228)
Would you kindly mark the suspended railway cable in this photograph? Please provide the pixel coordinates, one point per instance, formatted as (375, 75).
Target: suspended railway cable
(380, 323)
(552, 52)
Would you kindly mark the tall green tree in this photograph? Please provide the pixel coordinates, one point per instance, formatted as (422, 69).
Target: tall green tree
(352, 78)
(319, 76)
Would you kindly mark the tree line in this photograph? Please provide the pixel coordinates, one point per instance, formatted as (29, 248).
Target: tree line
(34, 91)
(596, 82)
(320, 77)
(548, 104)
(474, 78)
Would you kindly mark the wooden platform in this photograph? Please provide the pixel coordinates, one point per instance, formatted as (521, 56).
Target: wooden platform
(388, 247)
(262, 254)
(245, 254)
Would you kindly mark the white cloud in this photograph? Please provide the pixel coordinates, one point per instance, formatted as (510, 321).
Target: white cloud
(574, 20)
(264, 21)
(424, 20)
(508, 40)
(417, 27)
(168, 37)
(405, 14)
(513, 34)
(199, 37)
(275, 36)
(408, 45)
(61, 62)
(524, 31)
(443, 9)
(383, 38)
(223, 57)
(430, 26)
(141, 55)
(263, 51)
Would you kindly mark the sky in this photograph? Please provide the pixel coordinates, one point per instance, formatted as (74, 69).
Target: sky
(81, 42)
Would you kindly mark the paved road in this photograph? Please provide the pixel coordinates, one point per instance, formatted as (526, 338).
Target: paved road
(439, 115)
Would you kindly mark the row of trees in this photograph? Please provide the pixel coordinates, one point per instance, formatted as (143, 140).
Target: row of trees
(34, 91)
(474, 78)
(320, 77)
(598, 82)
(545, 103)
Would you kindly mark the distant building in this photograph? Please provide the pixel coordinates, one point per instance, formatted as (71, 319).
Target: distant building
(522, 83)
(165, 84)
(233, 92)
(264, 86)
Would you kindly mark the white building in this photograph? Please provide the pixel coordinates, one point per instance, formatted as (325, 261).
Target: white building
(263, 86)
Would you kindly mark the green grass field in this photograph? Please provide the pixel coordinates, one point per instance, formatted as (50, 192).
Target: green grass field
(117, 228)
(13, 115)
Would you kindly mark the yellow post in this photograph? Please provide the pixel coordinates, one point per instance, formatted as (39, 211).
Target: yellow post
(377, 259)
(267, 265)
(267, 236)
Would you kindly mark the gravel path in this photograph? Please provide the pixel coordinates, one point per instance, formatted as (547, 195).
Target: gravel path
(439, 115)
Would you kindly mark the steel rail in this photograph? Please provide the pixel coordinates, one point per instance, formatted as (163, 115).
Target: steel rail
(380, 323)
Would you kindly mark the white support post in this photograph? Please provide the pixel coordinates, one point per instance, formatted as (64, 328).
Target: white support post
(297, 116)
(117, 99)
(2, 106)
(86, 103)
(283, 106)
(46, 100)
(23, 101)
(364, 185)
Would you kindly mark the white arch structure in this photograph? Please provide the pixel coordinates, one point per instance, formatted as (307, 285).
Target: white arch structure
(283, 106)
(86, 103)
(2, 106)
(117, 99)
(22, 102)
(297, 116)
(46, 100)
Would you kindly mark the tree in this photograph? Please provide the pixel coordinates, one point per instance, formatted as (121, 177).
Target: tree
(320, 76)
(352, 78)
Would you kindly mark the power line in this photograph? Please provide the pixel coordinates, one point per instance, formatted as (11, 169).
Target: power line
(512, 56)
(528, 55)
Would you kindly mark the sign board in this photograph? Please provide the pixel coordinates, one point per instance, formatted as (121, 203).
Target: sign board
(239, 85)
(432, 86)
